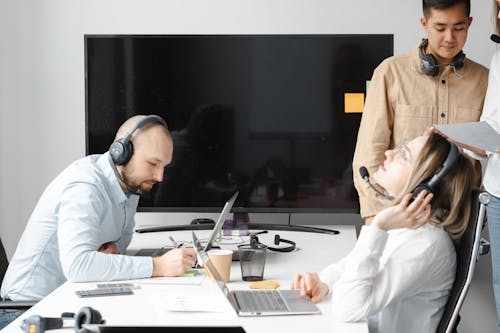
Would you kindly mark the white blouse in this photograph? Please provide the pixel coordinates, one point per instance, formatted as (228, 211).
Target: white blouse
(399, 281)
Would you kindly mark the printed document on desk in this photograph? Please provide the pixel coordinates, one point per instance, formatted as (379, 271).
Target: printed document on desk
(193, 299)
(478, 135)
(194, 303)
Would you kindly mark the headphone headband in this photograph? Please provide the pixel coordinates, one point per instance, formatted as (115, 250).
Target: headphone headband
(432, 185)
(448, 163)
(254, 240)
(143, 122)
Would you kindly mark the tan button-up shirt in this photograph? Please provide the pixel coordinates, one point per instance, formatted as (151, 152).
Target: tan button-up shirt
(402, 102)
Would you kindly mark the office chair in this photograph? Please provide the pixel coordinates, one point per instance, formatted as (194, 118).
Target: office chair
(468, 250)
(10, 305)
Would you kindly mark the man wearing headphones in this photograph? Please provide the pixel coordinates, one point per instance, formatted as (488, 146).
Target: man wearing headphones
(434, 83)
(84, 219)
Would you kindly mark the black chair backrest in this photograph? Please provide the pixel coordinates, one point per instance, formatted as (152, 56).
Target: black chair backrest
(467, 252)
(4, 262)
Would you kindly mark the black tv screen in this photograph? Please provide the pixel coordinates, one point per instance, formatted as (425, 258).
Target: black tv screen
(273, 116)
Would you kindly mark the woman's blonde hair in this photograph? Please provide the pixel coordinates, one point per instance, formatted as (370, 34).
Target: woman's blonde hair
(451, 205)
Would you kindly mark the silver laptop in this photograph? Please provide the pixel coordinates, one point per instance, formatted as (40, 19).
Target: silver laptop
(258, 302)
(223, 216)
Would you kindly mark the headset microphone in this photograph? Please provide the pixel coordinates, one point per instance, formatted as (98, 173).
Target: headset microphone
(495, 38)
(130, 189)
(366, 177)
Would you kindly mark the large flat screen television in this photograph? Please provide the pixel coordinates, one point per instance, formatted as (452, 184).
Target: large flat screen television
(274, 117)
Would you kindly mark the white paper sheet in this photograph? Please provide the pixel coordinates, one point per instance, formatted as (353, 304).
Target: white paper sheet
(479, 135)
(195, 299)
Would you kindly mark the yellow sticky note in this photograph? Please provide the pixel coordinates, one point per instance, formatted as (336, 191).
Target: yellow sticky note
(354, 102)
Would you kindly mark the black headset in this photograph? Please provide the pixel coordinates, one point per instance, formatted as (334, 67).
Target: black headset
(122, 149)
(254, 240)
(86, 315)
(429, 64)
(432, 184)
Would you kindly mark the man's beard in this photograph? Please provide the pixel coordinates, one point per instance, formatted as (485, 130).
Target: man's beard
(132, 183)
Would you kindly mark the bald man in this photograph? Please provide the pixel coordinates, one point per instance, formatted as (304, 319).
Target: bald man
(84, 220)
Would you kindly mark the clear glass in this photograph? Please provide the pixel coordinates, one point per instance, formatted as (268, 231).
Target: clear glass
(252, 261)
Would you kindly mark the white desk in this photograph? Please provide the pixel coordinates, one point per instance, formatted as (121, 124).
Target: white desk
(314, 252)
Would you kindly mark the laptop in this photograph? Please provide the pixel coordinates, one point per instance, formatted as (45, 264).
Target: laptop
(257, 302)
(223, 216)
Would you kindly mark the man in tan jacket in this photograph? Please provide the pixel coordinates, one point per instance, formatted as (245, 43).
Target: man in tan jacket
(432, 84)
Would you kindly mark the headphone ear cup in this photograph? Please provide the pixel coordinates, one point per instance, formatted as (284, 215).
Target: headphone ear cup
(121, 151)
(458, 62)
(254, 240)
(87, 315)
(420, 188)
(428, 63)
(276, 239)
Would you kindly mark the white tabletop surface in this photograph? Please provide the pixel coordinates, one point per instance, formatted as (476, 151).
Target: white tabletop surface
(147, 307)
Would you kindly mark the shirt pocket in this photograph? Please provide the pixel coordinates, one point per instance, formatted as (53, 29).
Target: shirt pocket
(411, 121)
(465, 115)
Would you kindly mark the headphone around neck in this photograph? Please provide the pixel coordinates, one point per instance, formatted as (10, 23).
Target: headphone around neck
(254, 240)
(122, 149)
(430, 66)
(432, 183)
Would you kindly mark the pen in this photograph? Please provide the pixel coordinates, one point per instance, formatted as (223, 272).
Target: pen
(179, 245)
(174, 242)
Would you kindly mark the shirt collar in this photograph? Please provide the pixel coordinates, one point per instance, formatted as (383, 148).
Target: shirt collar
(117, 194)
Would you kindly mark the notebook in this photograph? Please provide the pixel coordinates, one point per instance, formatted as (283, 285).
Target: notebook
(223, 216)
(258, 302)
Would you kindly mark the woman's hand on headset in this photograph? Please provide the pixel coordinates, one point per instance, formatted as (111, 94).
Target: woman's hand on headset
(310, 284)
(406, 214)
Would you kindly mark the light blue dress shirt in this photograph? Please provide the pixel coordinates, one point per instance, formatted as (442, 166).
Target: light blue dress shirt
(83, 208)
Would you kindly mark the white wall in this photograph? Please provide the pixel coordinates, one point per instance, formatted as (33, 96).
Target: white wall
(42, 66)
(42, 111)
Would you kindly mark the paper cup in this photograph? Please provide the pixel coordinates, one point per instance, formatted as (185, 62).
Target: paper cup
(222, 261)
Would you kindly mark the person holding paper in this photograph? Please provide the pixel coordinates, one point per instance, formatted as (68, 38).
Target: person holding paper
(491, 180)
(433, 83)
(400, 273)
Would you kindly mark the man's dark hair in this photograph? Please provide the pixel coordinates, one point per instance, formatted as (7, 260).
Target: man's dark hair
(427, 5)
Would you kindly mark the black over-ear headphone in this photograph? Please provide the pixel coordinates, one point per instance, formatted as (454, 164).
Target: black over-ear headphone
(432, 184)
(122, 149)
(277, 240)
(87, 315)
(429, 64)
(39, 324)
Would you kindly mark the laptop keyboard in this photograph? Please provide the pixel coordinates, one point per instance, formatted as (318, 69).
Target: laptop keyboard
(261, 301)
